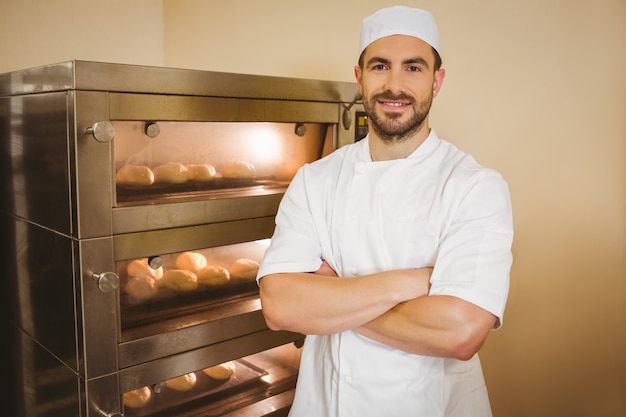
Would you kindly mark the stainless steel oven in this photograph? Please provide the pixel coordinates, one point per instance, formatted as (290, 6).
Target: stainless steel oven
(137, 202)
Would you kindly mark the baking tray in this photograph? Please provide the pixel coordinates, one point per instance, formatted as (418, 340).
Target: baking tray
(134, 194)
(166, 402)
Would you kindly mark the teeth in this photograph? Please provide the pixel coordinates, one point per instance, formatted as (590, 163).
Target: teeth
(394, 104)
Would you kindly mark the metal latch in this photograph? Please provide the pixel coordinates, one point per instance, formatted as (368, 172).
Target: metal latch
(102, 131)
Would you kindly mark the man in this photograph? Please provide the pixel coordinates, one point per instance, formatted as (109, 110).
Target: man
(392, 254)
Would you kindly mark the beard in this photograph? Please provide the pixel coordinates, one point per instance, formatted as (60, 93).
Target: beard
(388, 126)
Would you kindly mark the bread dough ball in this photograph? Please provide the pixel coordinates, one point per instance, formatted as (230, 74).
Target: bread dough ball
(179, 280)
(244, 268)
(141, 287)
(238, 169)
(222, 371)
(191, 261)
(138, 175)
(171, 173)
(137, 398)
(182, 383)
(213, 275)
(201, 172)
(140, 267)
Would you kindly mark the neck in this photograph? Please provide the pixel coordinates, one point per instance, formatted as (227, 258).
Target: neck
(381, 150)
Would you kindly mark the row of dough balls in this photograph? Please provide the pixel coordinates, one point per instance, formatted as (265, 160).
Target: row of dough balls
(141, 396)
(191, 271)
(177, 173)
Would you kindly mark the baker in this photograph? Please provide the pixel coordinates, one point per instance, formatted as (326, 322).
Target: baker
(392, 254)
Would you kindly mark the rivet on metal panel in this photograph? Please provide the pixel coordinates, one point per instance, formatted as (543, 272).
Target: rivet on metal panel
(300, 129)
(151, 129)
(155, 262)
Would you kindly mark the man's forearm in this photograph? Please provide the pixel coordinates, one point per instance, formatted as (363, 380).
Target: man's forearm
(441, 326)
(320, 304)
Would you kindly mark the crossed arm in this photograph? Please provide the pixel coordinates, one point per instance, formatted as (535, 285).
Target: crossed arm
(391, 307)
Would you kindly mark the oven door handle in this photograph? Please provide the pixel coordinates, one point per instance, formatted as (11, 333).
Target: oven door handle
(107, 281)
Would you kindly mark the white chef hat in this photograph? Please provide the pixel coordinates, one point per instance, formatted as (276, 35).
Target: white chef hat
(400, 20)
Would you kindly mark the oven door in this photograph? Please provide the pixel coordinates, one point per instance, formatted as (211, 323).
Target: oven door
(140, 175)
(170, 339)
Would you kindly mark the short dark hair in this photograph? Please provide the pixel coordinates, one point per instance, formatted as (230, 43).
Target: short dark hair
(437, 66)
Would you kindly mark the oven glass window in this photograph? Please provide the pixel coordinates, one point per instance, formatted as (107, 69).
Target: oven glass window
(158, 162)
(168, 287)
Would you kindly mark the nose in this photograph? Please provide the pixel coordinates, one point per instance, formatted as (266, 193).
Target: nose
(393, 81)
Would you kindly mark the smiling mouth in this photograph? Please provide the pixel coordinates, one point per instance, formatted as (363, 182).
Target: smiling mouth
(390, 101)
(393, 107)
(393, 103)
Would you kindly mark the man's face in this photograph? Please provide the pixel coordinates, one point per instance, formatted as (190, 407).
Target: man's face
(398, 83)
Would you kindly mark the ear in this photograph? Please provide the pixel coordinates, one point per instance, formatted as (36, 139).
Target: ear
(358, 74)
(439, 76)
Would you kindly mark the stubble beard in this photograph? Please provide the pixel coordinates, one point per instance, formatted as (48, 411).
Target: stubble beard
(388, 126)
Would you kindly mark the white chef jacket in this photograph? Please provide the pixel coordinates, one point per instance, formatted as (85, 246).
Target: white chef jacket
(437, 207)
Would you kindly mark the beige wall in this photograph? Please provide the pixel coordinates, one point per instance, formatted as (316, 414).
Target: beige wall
(535, 88)
(39, 32)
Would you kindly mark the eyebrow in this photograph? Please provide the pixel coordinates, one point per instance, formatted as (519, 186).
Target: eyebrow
(416, 60)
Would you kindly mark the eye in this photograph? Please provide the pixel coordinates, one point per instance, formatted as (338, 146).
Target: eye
(414, 68)
(379, 67)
